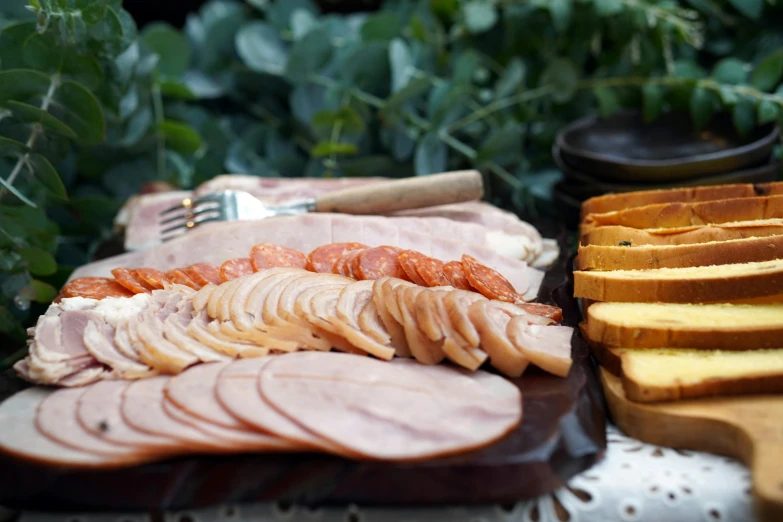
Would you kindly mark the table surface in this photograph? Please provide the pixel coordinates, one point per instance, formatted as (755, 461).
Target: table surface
(635, 482)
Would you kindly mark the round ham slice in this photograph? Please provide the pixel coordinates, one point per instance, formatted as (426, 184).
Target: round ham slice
(237, 391)
(193, 392)
(397, 411)
(20, 437)
(99, 412)
(57, 420)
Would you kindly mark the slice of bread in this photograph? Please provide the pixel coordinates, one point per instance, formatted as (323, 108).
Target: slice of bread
(719, 326)
(703, 284)
(612, 202)
(615, 235)
(596, 257)
(668, 215)
(672, 374)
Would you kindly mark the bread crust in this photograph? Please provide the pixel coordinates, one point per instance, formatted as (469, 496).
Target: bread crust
(668, 215)
(596, 257)
(678, 333)
(616, 235)
(759, 280)
(612, 202)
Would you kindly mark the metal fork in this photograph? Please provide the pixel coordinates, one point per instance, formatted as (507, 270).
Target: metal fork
(379, 198)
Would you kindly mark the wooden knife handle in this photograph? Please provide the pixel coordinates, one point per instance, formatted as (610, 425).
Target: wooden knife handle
(404, 194)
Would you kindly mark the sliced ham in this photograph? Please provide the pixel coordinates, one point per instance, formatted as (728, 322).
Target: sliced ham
(237, 391)
(20, 437)
(381, 289)
(491, 323)
(157, 351)
(99, 341)
(350, 304)
(548, 347)
(422, 348)
(417, 411)
(175, 329)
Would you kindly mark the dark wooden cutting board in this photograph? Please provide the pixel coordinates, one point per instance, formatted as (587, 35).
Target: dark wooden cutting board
(562, 433)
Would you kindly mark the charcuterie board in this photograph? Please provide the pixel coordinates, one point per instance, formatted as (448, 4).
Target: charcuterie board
(562, 433)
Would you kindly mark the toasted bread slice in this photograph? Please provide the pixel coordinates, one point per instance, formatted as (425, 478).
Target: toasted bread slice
(595, 257)
(703, 284)
(721, 326)
(615, 235)
(668, 215)
(672, 374)
(612, 202)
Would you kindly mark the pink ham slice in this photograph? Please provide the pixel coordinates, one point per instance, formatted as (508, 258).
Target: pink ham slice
(422, 348)
(193, 392)
(142, 409)
(381, 289)
(548, 347)
(417, 411)
(99, 412)
(237, 391)
(491, 323)
(57, 420)
(353, 299)
(20, 437)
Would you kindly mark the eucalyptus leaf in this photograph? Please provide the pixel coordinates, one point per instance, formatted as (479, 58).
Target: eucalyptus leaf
(203, 86)
(562, 12)
(21, 84)
(608, 7)
(563, 76)
(175, 89)
(12, 39)
(503, 146)
(280, 14)
(302, 22)
(81, 111)
(750, 8)
(402, 64)
(702, 107)
(308, 55)
(9, 147)
(329, 148)
(768, 111)
(411, 91)
(261, 49)
(13, 190)
(32, 114)
(431, 156)
(46, 174)
(348, 119)
(479, 16)
(513, 78)
(180, 137)
(170, 45)
(767, 74)
(731, 71)
(39, 261)
(42, 292)
(652, 102)
(307, 100)
(8, 323)
(744, 117)
(608, 103)
(381, 26)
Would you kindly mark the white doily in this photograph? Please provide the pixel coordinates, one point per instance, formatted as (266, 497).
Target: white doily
(636, 482)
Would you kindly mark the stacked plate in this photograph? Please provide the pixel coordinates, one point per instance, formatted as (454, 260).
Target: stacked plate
(623, 154)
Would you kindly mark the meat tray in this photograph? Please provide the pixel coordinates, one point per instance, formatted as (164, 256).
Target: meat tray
(562, 433)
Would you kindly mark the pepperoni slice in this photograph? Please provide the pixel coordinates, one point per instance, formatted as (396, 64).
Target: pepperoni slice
(94, 288)
(203, 274)
(234, 268)
(456, 275)
(126, 278)
(343, 264)
(153, 277)
(553, 312)
(379, 262)
(488, 281)
(323, 258)
(179, 277)
(409, 261)
(431, 271)
(267, 255)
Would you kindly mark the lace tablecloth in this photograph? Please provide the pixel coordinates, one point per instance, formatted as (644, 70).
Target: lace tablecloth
(635, 482)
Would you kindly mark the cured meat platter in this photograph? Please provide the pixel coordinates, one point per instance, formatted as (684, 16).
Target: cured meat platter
(561, 434)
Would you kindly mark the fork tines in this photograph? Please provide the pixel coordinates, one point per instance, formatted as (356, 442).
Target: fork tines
(190, 213)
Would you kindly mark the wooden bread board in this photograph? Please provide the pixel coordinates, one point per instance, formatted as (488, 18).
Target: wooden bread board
(748, 428)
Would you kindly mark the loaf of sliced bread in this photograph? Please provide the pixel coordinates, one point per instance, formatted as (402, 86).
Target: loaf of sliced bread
(612, 202)
(703, 284)
(672, 374)
(614, 235)
(668, 215)
(596, 257)
(719, 326)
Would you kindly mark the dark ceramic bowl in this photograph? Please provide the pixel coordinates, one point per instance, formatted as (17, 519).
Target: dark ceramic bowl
(586, 186)
(623, 148)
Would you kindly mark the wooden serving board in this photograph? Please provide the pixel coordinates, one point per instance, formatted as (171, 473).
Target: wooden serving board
(749, 428)
(563, 432)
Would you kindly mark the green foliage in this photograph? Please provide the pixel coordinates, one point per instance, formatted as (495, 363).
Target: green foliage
(90, 109)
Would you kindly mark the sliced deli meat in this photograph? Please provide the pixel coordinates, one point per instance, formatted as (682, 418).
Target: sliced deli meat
(548, 347)
(417, 411)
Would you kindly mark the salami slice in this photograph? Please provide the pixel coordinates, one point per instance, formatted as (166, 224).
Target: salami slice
(487, 281)
(552, 312)
(322, 259)
(152, 277)
(408, 262)
(343, 264)
(126, 278)
(456, 275)
(379, 262)
(267, 255)
(179, 277)
(203, 274)
(94, 288)
(431, 271)
(234, 268)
